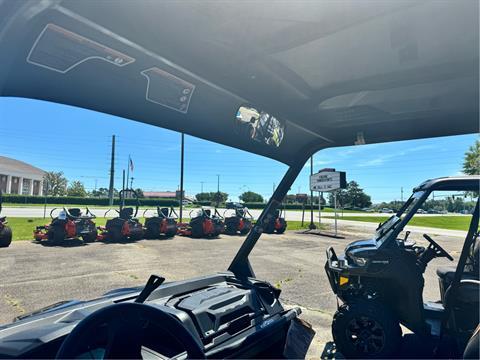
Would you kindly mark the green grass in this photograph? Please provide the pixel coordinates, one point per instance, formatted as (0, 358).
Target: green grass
(440, 222)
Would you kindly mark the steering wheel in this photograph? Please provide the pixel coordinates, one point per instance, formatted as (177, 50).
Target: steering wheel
(437, 249)
(125, 324)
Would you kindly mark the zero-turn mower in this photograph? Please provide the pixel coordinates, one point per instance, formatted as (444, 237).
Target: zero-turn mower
(5, 230)
(125, 226)
(163, 224)
(276, 223)
(237, 219)
(68, 224)
(202, 224)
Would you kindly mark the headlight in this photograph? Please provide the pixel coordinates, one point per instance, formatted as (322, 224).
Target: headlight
(359, 261)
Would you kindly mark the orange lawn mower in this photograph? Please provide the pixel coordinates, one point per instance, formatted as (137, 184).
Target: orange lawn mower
(238, 219)
(203, 224)
(5, 230)
(276, 224)
(67, 225)
(125, 226)
(164, 224)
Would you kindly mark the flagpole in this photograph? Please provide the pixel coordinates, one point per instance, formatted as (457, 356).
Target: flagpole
(128, 169)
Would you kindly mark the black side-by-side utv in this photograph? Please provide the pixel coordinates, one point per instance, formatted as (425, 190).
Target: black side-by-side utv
(164, 223)
(125, 226)
(380, 282)
(68, 224)
(238, 219)
(5, 230)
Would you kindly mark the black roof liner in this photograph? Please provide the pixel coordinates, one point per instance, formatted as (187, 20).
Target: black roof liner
(334, 71)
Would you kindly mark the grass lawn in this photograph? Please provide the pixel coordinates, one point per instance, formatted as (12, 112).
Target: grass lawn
(22, 228)
(441, 222)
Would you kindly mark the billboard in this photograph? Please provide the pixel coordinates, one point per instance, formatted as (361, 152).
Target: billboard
(328, 180)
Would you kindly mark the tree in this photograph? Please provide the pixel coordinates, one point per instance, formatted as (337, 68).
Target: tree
(212, 196)
(76, 188)
(471, 162)
(250, 197)
(139, 192)
(101, 192)
(352, 196)
(55, 183)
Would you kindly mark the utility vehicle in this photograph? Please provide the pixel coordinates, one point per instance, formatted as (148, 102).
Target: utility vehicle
(380, 282)
(5, 230)
(203, 223)
(163, 224)
(332, 74)
(237, 219)
(67, 225)
(125, 226)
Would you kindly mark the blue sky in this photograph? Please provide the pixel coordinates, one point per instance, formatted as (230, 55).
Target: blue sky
(76, 141)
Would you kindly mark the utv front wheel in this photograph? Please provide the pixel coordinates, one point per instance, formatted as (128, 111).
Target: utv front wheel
(366, 329)
(5, 237)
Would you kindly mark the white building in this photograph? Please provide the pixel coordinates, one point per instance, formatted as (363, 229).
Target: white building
(17, 177)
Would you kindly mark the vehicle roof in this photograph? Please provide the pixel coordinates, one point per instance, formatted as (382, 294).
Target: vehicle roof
(338, 72)
(451, 183)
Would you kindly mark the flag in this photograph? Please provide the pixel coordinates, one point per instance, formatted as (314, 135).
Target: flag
(130, 163)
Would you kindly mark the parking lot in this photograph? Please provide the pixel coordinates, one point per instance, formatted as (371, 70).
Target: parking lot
(36, 275)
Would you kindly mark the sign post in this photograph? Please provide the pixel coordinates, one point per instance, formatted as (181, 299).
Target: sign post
(328, 180)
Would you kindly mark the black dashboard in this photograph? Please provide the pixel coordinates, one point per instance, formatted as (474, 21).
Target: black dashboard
(227, 317)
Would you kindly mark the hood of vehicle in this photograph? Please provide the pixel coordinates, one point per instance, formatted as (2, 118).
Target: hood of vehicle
(369, 244)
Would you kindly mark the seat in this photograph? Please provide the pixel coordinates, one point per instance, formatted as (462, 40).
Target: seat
(75, 212)
(446, 274)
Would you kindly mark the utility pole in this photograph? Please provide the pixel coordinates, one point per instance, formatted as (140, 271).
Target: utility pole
(112, 173)
(123, 189)
(182, 149)
(401, 193)
(312, 225)
(201, 186)
(218, 190)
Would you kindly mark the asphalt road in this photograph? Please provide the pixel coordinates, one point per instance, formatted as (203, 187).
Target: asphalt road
(35, 275)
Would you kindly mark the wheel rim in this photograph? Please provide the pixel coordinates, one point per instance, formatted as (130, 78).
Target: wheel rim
(366, 335)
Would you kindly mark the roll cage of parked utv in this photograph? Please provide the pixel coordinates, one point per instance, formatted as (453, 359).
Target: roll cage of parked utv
(386, 273)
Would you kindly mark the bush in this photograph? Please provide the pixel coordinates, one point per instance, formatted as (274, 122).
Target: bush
(66, 200)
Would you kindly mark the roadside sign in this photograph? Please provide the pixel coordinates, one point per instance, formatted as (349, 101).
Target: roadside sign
(328, 180)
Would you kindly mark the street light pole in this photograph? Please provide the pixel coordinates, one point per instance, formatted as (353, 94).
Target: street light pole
(218, 190)
(312, 225)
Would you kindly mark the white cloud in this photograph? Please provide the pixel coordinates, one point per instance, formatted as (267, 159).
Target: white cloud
(380, 160)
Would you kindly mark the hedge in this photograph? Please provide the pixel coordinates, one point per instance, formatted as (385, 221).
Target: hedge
(284, 206)
(22, 199)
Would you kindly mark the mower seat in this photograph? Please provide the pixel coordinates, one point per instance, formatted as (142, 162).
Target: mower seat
(126, 213)
(76, 212)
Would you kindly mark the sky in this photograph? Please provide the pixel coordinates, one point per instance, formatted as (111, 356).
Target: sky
(77, 141)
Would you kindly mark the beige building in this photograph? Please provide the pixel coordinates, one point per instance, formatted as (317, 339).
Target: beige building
(17, 177)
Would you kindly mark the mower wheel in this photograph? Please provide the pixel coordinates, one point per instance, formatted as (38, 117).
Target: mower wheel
(90, 237)
(5, 237)
(56, 235)
(114, 234)
(366, 329)
(171, 233)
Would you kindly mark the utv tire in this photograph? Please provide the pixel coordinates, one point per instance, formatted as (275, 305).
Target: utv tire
(90, 237)
(5, 237)
(366, 329)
